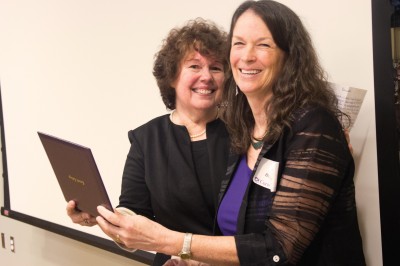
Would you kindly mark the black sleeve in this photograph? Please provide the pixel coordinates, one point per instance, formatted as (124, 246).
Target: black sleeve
(315, 169)
(134, 192)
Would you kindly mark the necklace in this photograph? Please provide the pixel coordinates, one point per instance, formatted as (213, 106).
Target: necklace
(192, 136)
(257, 143)
(197, 135)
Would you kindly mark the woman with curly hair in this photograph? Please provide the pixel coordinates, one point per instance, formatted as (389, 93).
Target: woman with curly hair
(174, 167)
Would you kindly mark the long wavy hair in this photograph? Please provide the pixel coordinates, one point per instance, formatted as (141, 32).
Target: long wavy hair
(203, 36)
(300, 82)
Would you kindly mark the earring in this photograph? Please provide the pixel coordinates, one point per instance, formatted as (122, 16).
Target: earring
(237, 90)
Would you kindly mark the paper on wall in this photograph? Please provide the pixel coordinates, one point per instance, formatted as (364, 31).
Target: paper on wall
(349, 100)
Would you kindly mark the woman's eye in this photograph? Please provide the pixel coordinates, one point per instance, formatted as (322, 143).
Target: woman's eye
(237, 43)
(264, 45)
(216, 69)
(194, 66)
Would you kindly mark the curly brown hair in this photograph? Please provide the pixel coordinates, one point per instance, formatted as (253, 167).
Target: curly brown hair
(200, 35)
(300, 82)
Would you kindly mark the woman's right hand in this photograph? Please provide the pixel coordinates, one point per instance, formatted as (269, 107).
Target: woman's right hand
(78, 217)
(179, 262)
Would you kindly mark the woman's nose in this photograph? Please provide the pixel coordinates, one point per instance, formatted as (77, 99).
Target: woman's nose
(206, 74)
(248, 54)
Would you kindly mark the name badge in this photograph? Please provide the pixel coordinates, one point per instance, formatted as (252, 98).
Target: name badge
(267, 174)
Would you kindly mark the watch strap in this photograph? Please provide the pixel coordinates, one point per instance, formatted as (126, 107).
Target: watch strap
(187, 242)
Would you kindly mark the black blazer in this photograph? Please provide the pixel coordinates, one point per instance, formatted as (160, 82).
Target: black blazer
(159, 179)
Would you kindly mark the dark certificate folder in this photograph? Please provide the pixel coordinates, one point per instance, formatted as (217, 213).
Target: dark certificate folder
(77, 173)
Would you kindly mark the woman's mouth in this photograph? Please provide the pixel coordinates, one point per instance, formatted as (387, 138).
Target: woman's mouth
(250, 71)
(203, 91)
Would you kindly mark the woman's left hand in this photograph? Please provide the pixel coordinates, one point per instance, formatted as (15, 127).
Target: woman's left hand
(136, 231)
(179, 262)
(347, 134)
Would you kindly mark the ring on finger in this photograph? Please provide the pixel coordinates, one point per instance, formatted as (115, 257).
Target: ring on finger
(117, 238)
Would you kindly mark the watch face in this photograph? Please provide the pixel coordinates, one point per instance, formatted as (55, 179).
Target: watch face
(185, 256)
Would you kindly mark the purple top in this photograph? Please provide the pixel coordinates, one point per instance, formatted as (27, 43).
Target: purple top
(229, 209)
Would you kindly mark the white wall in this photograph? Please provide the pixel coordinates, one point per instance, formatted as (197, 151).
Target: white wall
(342, 33)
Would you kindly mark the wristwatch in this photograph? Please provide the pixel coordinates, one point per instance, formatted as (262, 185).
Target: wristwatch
(185, 252)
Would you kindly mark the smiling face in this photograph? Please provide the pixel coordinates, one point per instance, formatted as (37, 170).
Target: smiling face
(199, 83)
(255, 58)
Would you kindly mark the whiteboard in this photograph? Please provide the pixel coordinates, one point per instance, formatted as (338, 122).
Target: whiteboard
(82, 70)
